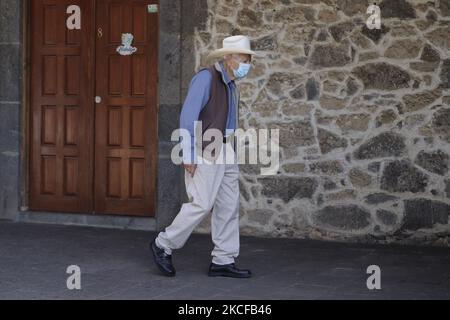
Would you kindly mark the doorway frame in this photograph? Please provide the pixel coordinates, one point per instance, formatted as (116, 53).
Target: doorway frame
(25, 118)
(176, 66)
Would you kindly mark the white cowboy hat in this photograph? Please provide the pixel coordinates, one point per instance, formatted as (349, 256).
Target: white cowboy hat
(233, 44)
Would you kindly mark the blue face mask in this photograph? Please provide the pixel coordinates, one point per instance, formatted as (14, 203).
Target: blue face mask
(242, 70)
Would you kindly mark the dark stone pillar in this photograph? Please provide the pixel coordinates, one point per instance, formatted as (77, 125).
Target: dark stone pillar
(10, 103)
(176, 68)
(168, 180)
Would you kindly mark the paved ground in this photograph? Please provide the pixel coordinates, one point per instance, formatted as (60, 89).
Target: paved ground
(116, 264)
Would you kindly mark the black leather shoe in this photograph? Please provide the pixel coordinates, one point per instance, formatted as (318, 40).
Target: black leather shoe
(228, 270)
(162, 260)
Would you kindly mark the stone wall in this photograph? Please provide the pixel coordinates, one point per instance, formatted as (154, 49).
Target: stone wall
(364, 117)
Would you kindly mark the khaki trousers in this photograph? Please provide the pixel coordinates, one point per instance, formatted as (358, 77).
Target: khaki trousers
(214, 187)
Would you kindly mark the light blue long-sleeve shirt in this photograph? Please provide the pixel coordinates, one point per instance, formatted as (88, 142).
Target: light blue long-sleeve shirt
(196, 99)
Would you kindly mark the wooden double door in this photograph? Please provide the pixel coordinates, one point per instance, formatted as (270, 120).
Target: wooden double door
(93, 111)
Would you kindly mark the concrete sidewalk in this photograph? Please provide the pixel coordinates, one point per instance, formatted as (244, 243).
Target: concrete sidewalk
(116, 264)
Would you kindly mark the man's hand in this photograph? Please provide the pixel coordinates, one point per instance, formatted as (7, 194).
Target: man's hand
(190, 168)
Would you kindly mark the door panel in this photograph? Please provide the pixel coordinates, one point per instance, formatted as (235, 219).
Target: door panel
(87, 157)
(126, 127)
(61, 176)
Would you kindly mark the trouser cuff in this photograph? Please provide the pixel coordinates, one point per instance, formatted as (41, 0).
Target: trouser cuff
(162, 245)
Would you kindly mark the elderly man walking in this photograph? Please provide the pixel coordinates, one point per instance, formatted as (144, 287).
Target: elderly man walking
(212, 99)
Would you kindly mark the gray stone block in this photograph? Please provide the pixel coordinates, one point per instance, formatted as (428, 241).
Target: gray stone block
(168, 188)
(397, 9)
(386, 144)
(189, 10)
(101, 221)
(447, 188)
(327, 56)
(402, 176)
(343, 217)
(10, 20)
(9, 178)
(445, 74)
(165, 149)
(424, 213)
(10, 72)
(123, 222)
(382, 76)
(169, 52)
(287, 188)
(379, 197)
(388, 218)
(436, 161)
(329, 141)
(441, 123)
(168, 121)
(9, 128)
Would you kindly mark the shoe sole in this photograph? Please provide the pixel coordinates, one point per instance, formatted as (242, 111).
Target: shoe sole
(223, 274)
(157, 264)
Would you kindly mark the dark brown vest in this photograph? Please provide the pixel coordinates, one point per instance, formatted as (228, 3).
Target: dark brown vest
(215, 112)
